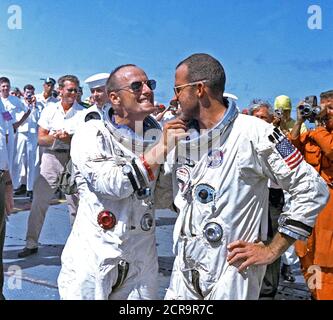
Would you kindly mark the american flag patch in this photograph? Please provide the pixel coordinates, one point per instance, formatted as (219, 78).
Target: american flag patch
(290, 154)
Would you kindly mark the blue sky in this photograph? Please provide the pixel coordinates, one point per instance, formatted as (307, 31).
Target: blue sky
(265, 46)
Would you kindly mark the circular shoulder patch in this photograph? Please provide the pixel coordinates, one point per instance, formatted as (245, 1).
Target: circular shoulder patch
(215, 158)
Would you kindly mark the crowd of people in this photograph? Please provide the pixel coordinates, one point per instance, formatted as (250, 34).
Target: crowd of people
(244, 187)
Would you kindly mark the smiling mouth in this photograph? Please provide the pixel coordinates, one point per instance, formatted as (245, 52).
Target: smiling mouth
(146, 100)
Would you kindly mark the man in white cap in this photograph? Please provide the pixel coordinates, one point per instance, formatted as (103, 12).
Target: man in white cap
(96, 85)
(46, 97)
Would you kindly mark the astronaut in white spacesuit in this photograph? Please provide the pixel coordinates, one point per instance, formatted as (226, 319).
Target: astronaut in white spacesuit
(222, 197)
(111, 251)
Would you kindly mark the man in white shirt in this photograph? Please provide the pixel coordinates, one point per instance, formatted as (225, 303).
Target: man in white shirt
(57, 124)
(46, 97)
(6, 194)
(26, 155)
(11, 108)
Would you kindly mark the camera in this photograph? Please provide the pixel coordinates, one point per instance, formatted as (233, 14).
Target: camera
(29, 96)
(309, 109)
(278, 113)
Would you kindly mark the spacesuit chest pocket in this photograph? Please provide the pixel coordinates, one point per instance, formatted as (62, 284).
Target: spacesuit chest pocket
(312, 154)
(248, 166)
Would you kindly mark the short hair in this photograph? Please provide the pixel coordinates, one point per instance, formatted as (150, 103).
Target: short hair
(4, 80)
(111, 83)
(256, 104)
(202, 66)
(29, 87)
(68, 77)
(326, 94)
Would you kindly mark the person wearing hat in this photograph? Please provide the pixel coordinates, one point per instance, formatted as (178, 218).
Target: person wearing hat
(285, 122)
(46, 97)
(96, 85)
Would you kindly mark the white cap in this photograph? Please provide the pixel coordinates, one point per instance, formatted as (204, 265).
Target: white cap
(230, 95)
(97, 80)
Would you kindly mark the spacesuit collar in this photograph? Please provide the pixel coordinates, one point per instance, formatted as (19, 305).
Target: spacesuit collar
(127, 137)
(197, 139)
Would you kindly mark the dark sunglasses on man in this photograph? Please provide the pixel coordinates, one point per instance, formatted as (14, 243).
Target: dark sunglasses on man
(137, 86)
(72, 90)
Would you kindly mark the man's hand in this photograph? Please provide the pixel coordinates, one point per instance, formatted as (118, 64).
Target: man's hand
(276, 121)
(296, 130)
(299, 118)
(173, 131)
(63, 136)
(246, 254)
(31, 102)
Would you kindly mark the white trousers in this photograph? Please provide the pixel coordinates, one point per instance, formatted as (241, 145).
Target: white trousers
(26, 160)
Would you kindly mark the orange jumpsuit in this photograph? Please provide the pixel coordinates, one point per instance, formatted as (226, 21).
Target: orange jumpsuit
(317, 251)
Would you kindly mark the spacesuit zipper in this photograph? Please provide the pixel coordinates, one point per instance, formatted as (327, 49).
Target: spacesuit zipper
(195, 282)
(123, 267)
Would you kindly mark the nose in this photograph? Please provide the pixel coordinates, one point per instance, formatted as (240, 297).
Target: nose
(146, 90)
(145, 87)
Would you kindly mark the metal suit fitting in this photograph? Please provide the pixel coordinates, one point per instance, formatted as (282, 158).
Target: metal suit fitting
(213, 232)
(106, 220)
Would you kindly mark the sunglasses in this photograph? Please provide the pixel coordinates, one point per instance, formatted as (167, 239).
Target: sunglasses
(137, 86)
(178, 89)
(73, 90)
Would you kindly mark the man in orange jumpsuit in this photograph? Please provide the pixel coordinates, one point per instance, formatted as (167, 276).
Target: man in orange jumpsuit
(316, 254)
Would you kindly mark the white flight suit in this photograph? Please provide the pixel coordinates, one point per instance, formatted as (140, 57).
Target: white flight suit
(227, 185)
(92, 255)
(26, 155)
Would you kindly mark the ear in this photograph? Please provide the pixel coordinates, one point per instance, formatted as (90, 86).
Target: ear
(114, 98)
(200, 89)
